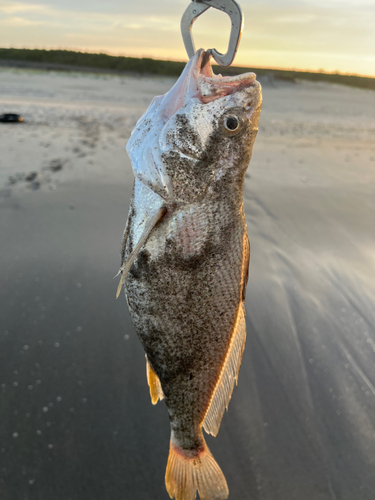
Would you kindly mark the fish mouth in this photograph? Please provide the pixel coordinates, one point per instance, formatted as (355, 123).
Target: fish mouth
(210, 86)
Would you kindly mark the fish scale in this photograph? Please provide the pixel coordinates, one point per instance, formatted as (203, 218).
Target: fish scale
(172, 282)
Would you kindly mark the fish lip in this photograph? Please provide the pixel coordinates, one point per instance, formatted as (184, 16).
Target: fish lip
(211, 87)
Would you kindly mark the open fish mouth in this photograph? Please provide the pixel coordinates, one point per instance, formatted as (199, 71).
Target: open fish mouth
(199, 81)
(211, 86)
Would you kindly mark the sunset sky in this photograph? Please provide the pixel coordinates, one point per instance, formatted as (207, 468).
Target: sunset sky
(301, 34)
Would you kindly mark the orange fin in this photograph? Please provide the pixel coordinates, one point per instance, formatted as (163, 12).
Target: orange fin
(245, 265)
(156, 392)
(228, 376)
(186, 474)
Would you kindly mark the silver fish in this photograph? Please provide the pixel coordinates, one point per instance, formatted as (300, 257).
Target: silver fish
(185, 256)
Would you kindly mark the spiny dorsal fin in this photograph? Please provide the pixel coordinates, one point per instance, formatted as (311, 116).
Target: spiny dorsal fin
(156, 392)
(228, 376)
(142, 240)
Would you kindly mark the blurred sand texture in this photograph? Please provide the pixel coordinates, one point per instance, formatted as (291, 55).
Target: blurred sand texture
(76, 420)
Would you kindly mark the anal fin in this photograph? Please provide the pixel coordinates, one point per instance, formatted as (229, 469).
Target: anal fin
(156, 392)
(228, 376)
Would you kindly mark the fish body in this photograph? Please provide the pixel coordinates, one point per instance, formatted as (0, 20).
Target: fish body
(187, 273)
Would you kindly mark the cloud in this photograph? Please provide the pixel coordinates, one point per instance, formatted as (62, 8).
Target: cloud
(19, 22)
(18, 7)
(292, 18)
(294, 33)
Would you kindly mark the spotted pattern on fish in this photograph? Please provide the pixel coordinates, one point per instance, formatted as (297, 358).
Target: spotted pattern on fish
(184, 304)
(186, 286)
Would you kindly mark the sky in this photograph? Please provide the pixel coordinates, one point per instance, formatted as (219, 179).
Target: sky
(329, 35)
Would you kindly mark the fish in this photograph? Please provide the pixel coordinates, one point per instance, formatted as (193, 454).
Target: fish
(185, 258)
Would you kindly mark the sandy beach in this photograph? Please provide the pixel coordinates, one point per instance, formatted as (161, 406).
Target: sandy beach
(75, 413)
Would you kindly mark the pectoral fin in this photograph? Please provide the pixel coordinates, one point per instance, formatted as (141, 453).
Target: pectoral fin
(142, 240)
(156, 392)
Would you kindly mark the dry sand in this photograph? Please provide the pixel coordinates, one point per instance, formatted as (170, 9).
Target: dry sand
(76, 421)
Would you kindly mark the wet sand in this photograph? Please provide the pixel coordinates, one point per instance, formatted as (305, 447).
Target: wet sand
(76, 417)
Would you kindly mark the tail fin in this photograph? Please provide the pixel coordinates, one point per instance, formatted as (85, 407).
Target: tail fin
(187, 473)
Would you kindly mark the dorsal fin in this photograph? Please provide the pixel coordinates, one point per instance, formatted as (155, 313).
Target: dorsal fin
(231, 366)
(156, 392)
(228, 376)
(245, 265)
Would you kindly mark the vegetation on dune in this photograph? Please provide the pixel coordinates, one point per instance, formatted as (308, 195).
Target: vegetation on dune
(100, 61)
(290, 75)
(147, 65)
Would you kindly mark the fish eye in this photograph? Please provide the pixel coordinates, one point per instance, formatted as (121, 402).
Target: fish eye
(231, 123)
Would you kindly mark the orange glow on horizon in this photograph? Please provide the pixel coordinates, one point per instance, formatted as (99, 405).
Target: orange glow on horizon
(318, 37)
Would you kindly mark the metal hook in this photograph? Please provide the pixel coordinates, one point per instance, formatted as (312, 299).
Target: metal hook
(195, 9)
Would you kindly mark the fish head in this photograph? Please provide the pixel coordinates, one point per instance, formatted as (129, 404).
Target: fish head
(199, 136)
